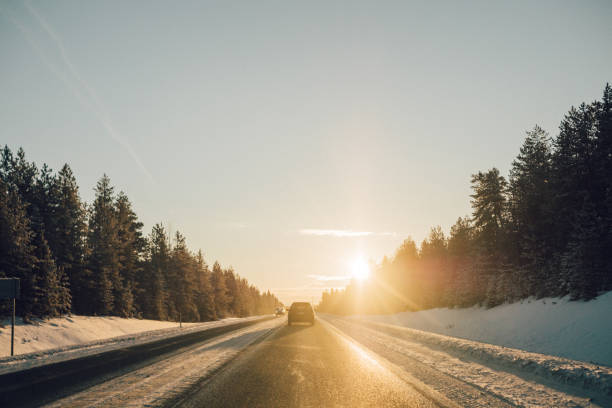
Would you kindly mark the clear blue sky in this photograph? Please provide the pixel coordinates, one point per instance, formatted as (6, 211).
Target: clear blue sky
(247, 125)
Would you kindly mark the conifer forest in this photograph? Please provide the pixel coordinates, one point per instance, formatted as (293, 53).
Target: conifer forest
(94, 259)
(543, 231)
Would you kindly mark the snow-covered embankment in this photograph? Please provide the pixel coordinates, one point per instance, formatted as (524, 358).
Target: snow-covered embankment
(61, 339)
(575, 330)
(569, 343)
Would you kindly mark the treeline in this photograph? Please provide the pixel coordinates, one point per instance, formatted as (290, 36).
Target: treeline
(544, 231)
(95, 260)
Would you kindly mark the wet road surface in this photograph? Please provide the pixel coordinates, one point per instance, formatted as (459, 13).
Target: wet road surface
(304, 366)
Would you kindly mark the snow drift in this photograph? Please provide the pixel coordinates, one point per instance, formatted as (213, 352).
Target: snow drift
(575, 330)
(561, 370)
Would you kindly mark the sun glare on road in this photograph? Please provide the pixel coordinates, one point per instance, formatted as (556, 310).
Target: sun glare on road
(360, 269)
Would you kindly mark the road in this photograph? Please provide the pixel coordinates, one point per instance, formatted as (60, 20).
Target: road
(305, 366)
(337, 362)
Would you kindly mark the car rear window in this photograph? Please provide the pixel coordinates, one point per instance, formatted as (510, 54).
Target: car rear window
(300, 306)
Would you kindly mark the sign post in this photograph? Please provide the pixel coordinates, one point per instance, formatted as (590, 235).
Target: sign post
(10, 289)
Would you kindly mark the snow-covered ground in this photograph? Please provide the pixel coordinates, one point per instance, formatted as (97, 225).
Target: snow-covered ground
(575, 330)
(159, 383)
(447, 364)
(67, 331)
(65, 338)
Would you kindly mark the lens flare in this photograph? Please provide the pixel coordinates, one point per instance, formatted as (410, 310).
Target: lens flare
(360, 269)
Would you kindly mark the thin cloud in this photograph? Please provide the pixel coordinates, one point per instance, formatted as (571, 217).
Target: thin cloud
(343, 233)
(85, 94)
(330, 278)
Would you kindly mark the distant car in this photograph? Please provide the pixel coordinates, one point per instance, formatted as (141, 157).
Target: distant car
(279, 311)
(300, 312)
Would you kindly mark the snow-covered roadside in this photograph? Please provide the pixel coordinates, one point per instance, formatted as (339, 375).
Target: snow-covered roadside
(551, 368)
(64, 341)
(575, 330)
(71, 330)
(515, 376)
(159, 384)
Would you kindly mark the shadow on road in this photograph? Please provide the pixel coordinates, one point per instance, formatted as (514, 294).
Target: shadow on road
(287, 330)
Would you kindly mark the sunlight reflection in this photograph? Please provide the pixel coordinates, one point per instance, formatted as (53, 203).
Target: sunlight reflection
(363, 354)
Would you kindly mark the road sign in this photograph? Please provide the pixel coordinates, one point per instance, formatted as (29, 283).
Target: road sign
(9, 288)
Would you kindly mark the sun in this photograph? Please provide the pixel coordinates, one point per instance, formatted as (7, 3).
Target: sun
(360, 269)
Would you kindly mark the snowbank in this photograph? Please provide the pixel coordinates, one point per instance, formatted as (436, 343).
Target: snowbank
(67, 331)
(574, 373)
(61, 339)
(575, 330)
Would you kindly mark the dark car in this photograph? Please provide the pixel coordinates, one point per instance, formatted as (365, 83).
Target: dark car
(300, 312)
(279, 311)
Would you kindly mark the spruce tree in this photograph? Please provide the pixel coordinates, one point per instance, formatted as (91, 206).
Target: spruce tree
(103, 257)
(490, 221)
(153, 280)
(490, 210)
(205, 295)
(532, 217)
(130, 249)
(580, 230)
(233, 296)
(17, 258)
(52, 293)
(183, 281)
(603, 153)
(220, 290)
(68, 239)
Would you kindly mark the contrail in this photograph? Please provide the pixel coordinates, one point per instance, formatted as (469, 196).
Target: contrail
(52, 67)
(90, 99)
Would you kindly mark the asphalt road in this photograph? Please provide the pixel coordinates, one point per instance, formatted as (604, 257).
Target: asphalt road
(304, 366)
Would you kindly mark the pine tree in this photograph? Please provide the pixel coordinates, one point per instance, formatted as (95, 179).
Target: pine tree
(67, 241)
(490, 231)
(460, 240)
(580, 201)
(603, 154)
(532, 217)
(153, 281)
(183, 282)
(52, 293)
(205, 296)
(103, 257)
(220, 290)
(17, 257)
(435, 246)
(582, 269)
(130, 248)
(490, 210)
(233, 296)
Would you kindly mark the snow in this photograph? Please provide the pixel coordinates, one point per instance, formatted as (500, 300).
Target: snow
(160, 383)
(67, 331)
(545, 352)
(60, 339)
(522, 378)
(575, 330)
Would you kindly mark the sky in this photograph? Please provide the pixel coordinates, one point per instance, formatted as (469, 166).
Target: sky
(288, 139)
